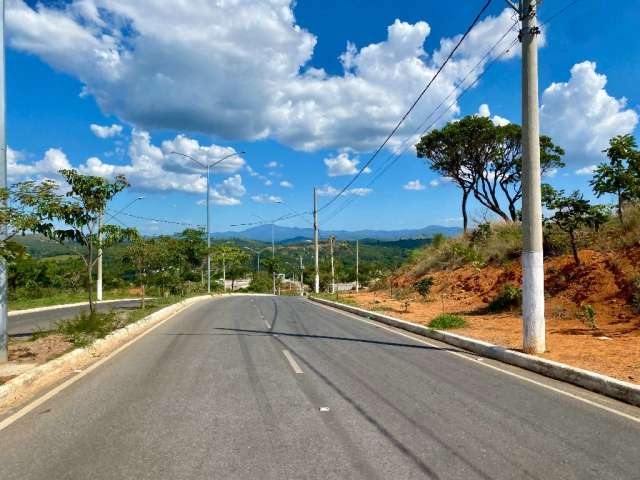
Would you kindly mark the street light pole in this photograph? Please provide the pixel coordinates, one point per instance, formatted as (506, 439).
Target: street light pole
(316, 283)
(208, 232)
(208, 167)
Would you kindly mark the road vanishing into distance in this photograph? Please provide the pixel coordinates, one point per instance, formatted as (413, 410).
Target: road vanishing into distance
(282, 388)
(23, 323)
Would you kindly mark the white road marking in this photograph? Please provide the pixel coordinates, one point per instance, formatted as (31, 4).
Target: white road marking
(493, 367)
(267, 324)
(292, 361)
(51, 393)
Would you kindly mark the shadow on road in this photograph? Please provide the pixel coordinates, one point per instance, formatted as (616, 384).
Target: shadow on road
(242, 331)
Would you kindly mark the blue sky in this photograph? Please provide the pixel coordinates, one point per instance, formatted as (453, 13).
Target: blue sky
(306, 90)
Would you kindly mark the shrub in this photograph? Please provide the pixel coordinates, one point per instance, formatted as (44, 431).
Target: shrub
(261, 282)
(588, 315)
(86, 327)
(509, 298)
(423, 286)
(445, 321)
(635, 295)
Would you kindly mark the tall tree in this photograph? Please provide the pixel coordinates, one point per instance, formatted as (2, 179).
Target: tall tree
(452, 152)
(621, 175)
(484, 160)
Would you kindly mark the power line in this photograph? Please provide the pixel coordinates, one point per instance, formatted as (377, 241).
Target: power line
(159, 220)
(422, 93)
(393, 158)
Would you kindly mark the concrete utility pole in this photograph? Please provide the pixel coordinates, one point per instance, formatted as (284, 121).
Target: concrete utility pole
(301, 276)
(333, 272)
(4, 338)
(533, 322)
(315, 242)
(357, 266)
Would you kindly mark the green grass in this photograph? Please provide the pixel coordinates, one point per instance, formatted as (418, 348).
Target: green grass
(62, 298)
(445, 321)
(509, 298)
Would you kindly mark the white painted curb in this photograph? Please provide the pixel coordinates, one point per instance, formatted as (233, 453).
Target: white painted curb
(14, 313)
(611, 387)
(26, 384)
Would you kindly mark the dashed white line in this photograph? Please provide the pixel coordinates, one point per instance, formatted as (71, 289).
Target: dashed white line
(292, 361)
(267, 324)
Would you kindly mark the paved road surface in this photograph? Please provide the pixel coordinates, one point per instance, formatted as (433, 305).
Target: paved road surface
(214, 394)
(24, 323)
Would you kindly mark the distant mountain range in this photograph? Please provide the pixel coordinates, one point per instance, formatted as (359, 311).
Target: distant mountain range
(262, 233)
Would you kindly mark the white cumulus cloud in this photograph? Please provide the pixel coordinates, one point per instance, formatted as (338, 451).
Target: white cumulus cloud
(106, 131)
(286, 184)
(330, 191)
(414, 185)
(342, 165)
(240, 69)
(589, 170)
(264, 198)
(497, 120)
(581, 116)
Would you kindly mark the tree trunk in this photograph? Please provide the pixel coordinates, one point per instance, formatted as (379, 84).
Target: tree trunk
(574, 248)
(92, 307)
(465, 218)
(620, 208)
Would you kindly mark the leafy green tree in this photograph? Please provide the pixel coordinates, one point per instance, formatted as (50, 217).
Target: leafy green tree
(621, 175)
(74, 216)
(193, 247)
(570, 213)
(19, 213)
(146, 255)
(233, 260)
(484, 160)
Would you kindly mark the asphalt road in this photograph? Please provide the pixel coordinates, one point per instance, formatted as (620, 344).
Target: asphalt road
(29, 322)
(213, 394)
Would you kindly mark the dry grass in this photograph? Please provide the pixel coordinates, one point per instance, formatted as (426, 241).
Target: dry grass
(501, 242)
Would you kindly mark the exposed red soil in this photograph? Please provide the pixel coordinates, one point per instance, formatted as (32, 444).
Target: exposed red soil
(604, 281)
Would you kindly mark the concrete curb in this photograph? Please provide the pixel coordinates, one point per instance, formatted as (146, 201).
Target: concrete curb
(14, 313)
(611, 387)
(27, 384)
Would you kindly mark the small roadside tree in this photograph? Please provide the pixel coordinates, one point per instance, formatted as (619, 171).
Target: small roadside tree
(621, 175)
(570, 213)
(146, 256)
(75, 215)
(233, 260)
